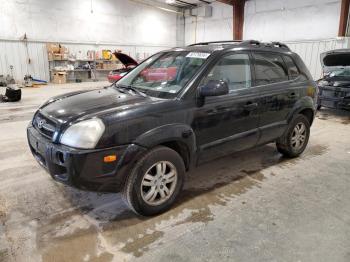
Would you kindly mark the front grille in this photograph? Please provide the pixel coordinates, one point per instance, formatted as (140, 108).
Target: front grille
(44, 125)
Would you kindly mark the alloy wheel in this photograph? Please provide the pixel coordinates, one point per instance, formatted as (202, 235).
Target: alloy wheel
(159, 183)
(298, 136)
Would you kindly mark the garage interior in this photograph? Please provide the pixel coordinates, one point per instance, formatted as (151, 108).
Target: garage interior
(250, 206)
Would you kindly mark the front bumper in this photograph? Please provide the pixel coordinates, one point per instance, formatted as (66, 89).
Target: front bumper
(84, 169)
(334, 98)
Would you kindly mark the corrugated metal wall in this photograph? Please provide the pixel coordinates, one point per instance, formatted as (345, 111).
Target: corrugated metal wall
(310, 52)
(15, 53)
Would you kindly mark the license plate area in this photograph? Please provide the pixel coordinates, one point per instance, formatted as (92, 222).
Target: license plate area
(328, 93)
(38, 149)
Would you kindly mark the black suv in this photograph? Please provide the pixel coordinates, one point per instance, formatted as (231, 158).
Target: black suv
(172, 112)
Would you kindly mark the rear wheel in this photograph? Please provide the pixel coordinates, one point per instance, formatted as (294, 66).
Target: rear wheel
(295, 139)
(155, 182)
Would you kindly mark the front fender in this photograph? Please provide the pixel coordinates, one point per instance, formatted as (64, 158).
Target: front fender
(167, 133)
(181, 133)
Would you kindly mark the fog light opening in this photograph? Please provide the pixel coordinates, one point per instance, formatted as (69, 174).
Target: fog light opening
(60, 157)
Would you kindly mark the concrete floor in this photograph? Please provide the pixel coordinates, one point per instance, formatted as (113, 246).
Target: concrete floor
(251, 206)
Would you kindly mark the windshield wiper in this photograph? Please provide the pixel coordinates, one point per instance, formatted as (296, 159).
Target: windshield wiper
(129, 87)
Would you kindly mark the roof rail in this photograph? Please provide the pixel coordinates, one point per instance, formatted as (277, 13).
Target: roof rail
(279, 44)
(251, 42)
(217, 42)
(245, 43)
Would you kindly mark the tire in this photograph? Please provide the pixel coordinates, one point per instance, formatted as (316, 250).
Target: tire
(290, 144)
(149, 196)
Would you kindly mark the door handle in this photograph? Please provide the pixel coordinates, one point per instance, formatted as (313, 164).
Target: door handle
(250, 106)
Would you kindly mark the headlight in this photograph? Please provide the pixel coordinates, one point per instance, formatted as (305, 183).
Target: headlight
(85, 134)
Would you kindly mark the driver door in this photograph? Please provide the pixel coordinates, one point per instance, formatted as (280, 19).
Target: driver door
(228, 123)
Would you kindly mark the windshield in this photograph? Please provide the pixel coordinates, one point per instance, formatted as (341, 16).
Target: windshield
(165, 74)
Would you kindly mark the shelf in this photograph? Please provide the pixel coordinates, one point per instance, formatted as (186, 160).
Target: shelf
(105, 60)
(75, 70)
(67, 60)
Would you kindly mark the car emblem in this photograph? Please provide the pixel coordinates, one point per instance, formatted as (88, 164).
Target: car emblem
(41, 123)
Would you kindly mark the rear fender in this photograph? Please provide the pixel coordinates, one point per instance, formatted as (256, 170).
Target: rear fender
(302, 104)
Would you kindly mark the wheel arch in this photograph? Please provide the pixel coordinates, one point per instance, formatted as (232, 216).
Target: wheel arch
(179, 137)
(304, 106)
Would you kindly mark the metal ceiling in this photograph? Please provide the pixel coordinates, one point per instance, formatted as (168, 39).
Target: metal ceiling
(186, 3)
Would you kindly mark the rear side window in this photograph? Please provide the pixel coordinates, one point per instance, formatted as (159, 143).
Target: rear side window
(269, 68)
(291, 66)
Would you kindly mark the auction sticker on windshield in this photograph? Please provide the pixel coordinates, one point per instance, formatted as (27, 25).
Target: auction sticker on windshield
(198, 55)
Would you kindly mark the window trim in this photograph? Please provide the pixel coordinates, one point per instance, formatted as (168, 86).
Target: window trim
(229, 53)
(289, 75)
(274, 53)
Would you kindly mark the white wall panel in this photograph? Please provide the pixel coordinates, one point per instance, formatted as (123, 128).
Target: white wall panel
(310, 52)
(217, 27)
(138, 27)
(133, 22)
(287, 20)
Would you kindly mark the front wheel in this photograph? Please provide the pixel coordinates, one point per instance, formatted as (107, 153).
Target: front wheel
(155, 182)
(295, 139)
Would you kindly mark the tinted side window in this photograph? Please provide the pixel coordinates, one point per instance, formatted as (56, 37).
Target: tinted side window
(269, 68)
(234, 69)
(292, 68)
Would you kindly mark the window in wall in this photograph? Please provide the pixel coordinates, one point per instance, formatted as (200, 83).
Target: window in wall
(292, 68)
(233, 69)
(269, 68)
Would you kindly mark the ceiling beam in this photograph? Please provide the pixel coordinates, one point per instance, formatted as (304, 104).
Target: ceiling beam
(344, 17)
(228, 2)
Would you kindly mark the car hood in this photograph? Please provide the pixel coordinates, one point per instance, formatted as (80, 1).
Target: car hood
(335, 60)
(125, 59)
(86, 104)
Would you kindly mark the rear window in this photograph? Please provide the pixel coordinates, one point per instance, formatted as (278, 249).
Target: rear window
(291, 66)
(269, 68)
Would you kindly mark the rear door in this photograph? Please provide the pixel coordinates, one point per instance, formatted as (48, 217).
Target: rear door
(228, 123)
(278, 92)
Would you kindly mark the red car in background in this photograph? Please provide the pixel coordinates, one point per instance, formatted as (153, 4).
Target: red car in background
(129, 64)
(157, 72)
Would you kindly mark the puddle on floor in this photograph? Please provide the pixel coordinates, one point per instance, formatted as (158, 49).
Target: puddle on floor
(139, 245)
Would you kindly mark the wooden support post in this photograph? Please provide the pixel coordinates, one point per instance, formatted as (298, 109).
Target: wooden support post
(344, 14)
(238, 17)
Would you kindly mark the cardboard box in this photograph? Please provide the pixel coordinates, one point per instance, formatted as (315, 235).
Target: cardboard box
(63, 50)
(110, 66)
(50, 56)
(59, 77)
(57, 57)
(53, 48)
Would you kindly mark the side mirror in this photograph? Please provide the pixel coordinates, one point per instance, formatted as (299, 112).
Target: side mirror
(214, 88)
